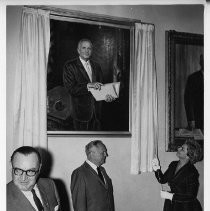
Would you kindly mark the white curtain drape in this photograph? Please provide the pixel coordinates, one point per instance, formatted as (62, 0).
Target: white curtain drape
(144, 104)
(30, 120)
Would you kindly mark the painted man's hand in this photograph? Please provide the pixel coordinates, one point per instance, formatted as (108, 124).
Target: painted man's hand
(94, 85)
(109, 98)
(191, 124)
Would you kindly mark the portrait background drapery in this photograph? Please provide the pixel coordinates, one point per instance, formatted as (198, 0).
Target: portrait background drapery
(29, 115)
(144, 104)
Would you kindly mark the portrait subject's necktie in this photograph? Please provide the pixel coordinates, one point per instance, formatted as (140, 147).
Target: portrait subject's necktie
(89, 71)
(37, 201)
(100, 174)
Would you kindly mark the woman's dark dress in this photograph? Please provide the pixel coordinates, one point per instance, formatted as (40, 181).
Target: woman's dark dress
(184, 184)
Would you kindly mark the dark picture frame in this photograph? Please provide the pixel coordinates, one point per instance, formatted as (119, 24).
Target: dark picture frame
(113, 49)
(183, 51)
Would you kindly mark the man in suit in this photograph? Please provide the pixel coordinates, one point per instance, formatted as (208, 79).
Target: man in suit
(79, 75)
(194, 98)
(91, 187)
(26, 191)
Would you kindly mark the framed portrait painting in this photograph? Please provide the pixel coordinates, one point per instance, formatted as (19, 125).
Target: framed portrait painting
(112, 40)
(184, 88)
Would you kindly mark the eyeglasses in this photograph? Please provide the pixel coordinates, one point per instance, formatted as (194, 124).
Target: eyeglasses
(29, 172)
(181, 148)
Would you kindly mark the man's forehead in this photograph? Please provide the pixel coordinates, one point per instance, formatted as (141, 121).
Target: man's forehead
(21, 160)
(85, 43)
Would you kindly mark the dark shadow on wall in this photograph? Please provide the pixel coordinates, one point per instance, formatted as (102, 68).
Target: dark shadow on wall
(63, 195)
(47, 164)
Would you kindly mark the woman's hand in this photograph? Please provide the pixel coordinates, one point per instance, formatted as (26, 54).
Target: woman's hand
(155, 164)
(166, 195)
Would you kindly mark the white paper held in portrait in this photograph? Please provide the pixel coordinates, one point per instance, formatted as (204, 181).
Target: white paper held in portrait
(112, 89)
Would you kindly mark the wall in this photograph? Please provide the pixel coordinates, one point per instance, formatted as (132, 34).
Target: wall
(132, 192)
(12, 36)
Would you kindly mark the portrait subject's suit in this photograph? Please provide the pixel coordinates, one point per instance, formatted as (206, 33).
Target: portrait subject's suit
(184, 184)
(194, 98)
(75, 79)
(89, 193)
(16, 200)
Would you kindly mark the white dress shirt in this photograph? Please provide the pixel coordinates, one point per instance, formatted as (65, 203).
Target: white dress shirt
(29, 196)
(87, 67)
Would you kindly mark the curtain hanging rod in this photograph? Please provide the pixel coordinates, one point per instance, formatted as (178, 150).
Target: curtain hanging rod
(87, 16)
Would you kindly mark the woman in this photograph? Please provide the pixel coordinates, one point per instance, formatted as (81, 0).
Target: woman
(182, 178)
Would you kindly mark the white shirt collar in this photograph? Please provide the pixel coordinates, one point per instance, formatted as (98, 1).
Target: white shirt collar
(84, 62)
(92, 165)
(35, 188)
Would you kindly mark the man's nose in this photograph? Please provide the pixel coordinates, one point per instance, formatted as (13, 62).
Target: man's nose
(24, 176)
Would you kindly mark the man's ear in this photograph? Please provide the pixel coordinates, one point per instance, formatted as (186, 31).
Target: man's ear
(40, 167)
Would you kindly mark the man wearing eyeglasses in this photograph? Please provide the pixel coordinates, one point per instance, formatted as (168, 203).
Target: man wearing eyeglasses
(26, 191)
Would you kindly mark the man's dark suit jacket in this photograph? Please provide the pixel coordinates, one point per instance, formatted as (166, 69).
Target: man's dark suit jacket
(184, 184)
(194, 99)
(16, 201)
(75, 79)
(89, 193)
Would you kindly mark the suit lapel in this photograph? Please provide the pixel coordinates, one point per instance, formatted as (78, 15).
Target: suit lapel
(21, 198)
(93, 71)
(105, 176)
(44, 196)
(82, 69)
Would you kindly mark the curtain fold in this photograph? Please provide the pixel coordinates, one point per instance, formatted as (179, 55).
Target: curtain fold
(29, 117)
(144, 101)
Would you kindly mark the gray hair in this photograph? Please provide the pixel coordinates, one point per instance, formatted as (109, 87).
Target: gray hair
(95, 143)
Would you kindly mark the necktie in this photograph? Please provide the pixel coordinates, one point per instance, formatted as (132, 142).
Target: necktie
(89, 71)
(37, 201)
(100, 174)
